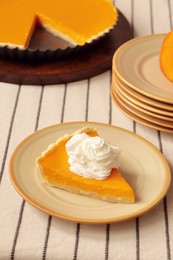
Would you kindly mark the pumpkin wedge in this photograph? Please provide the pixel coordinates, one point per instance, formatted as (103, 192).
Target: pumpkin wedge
(166, 56)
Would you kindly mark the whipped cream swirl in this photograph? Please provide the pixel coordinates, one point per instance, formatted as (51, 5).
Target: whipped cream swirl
(91, 157)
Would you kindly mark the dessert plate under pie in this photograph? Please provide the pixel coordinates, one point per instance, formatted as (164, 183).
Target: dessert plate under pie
(150, 182)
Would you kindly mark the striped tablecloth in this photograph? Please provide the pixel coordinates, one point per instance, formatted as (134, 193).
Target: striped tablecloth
(26, 232)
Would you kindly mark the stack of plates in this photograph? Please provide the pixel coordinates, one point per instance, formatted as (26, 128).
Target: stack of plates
(139, 87)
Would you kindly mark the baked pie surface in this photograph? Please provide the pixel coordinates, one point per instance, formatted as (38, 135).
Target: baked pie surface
(54, 168)
(76, 21)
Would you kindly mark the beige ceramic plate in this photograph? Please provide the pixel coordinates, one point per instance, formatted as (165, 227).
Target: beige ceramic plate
(141, 106)
(137, 64)
(139, 117)
(150, 181)
(141, 98)
(141, 112)
(154, 117)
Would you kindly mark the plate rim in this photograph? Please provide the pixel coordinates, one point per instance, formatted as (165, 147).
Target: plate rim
(149, 109)
(140, 119)
(115, 219)
(140, 113)
(131, 85)
(138, 96)
(149, 115)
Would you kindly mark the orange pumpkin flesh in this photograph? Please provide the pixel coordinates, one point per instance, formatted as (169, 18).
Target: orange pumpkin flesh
(166, 56)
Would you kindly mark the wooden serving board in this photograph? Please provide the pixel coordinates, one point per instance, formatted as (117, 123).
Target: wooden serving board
(83, 65)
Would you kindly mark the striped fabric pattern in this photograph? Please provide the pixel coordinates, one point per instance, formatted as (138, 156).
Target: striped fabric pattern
(27, 233)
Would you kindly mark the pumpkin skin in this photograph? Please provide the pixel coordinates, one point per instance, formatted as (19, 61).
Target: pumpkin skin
(166, 56)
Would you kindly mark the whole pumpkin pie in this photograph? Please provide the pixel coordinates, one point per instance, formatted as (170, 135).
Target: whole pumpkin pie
(56, 168)
(76, 21)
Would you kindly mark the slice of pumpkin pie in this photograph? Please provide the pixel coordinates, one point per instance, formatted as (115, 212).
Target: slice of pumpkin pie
(83, 163)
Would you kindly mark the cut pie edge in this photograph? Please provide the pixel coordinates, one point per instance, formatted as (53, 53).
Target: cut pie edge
(85, 130)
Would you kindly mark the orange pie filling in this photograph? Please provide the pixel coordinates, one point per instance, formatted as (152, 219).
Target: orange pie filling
(76, 21)
(55, 171)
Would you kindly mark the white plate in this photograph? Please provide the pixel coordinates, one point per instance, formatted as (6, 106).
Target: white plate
(137, 64)
(142, 165)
